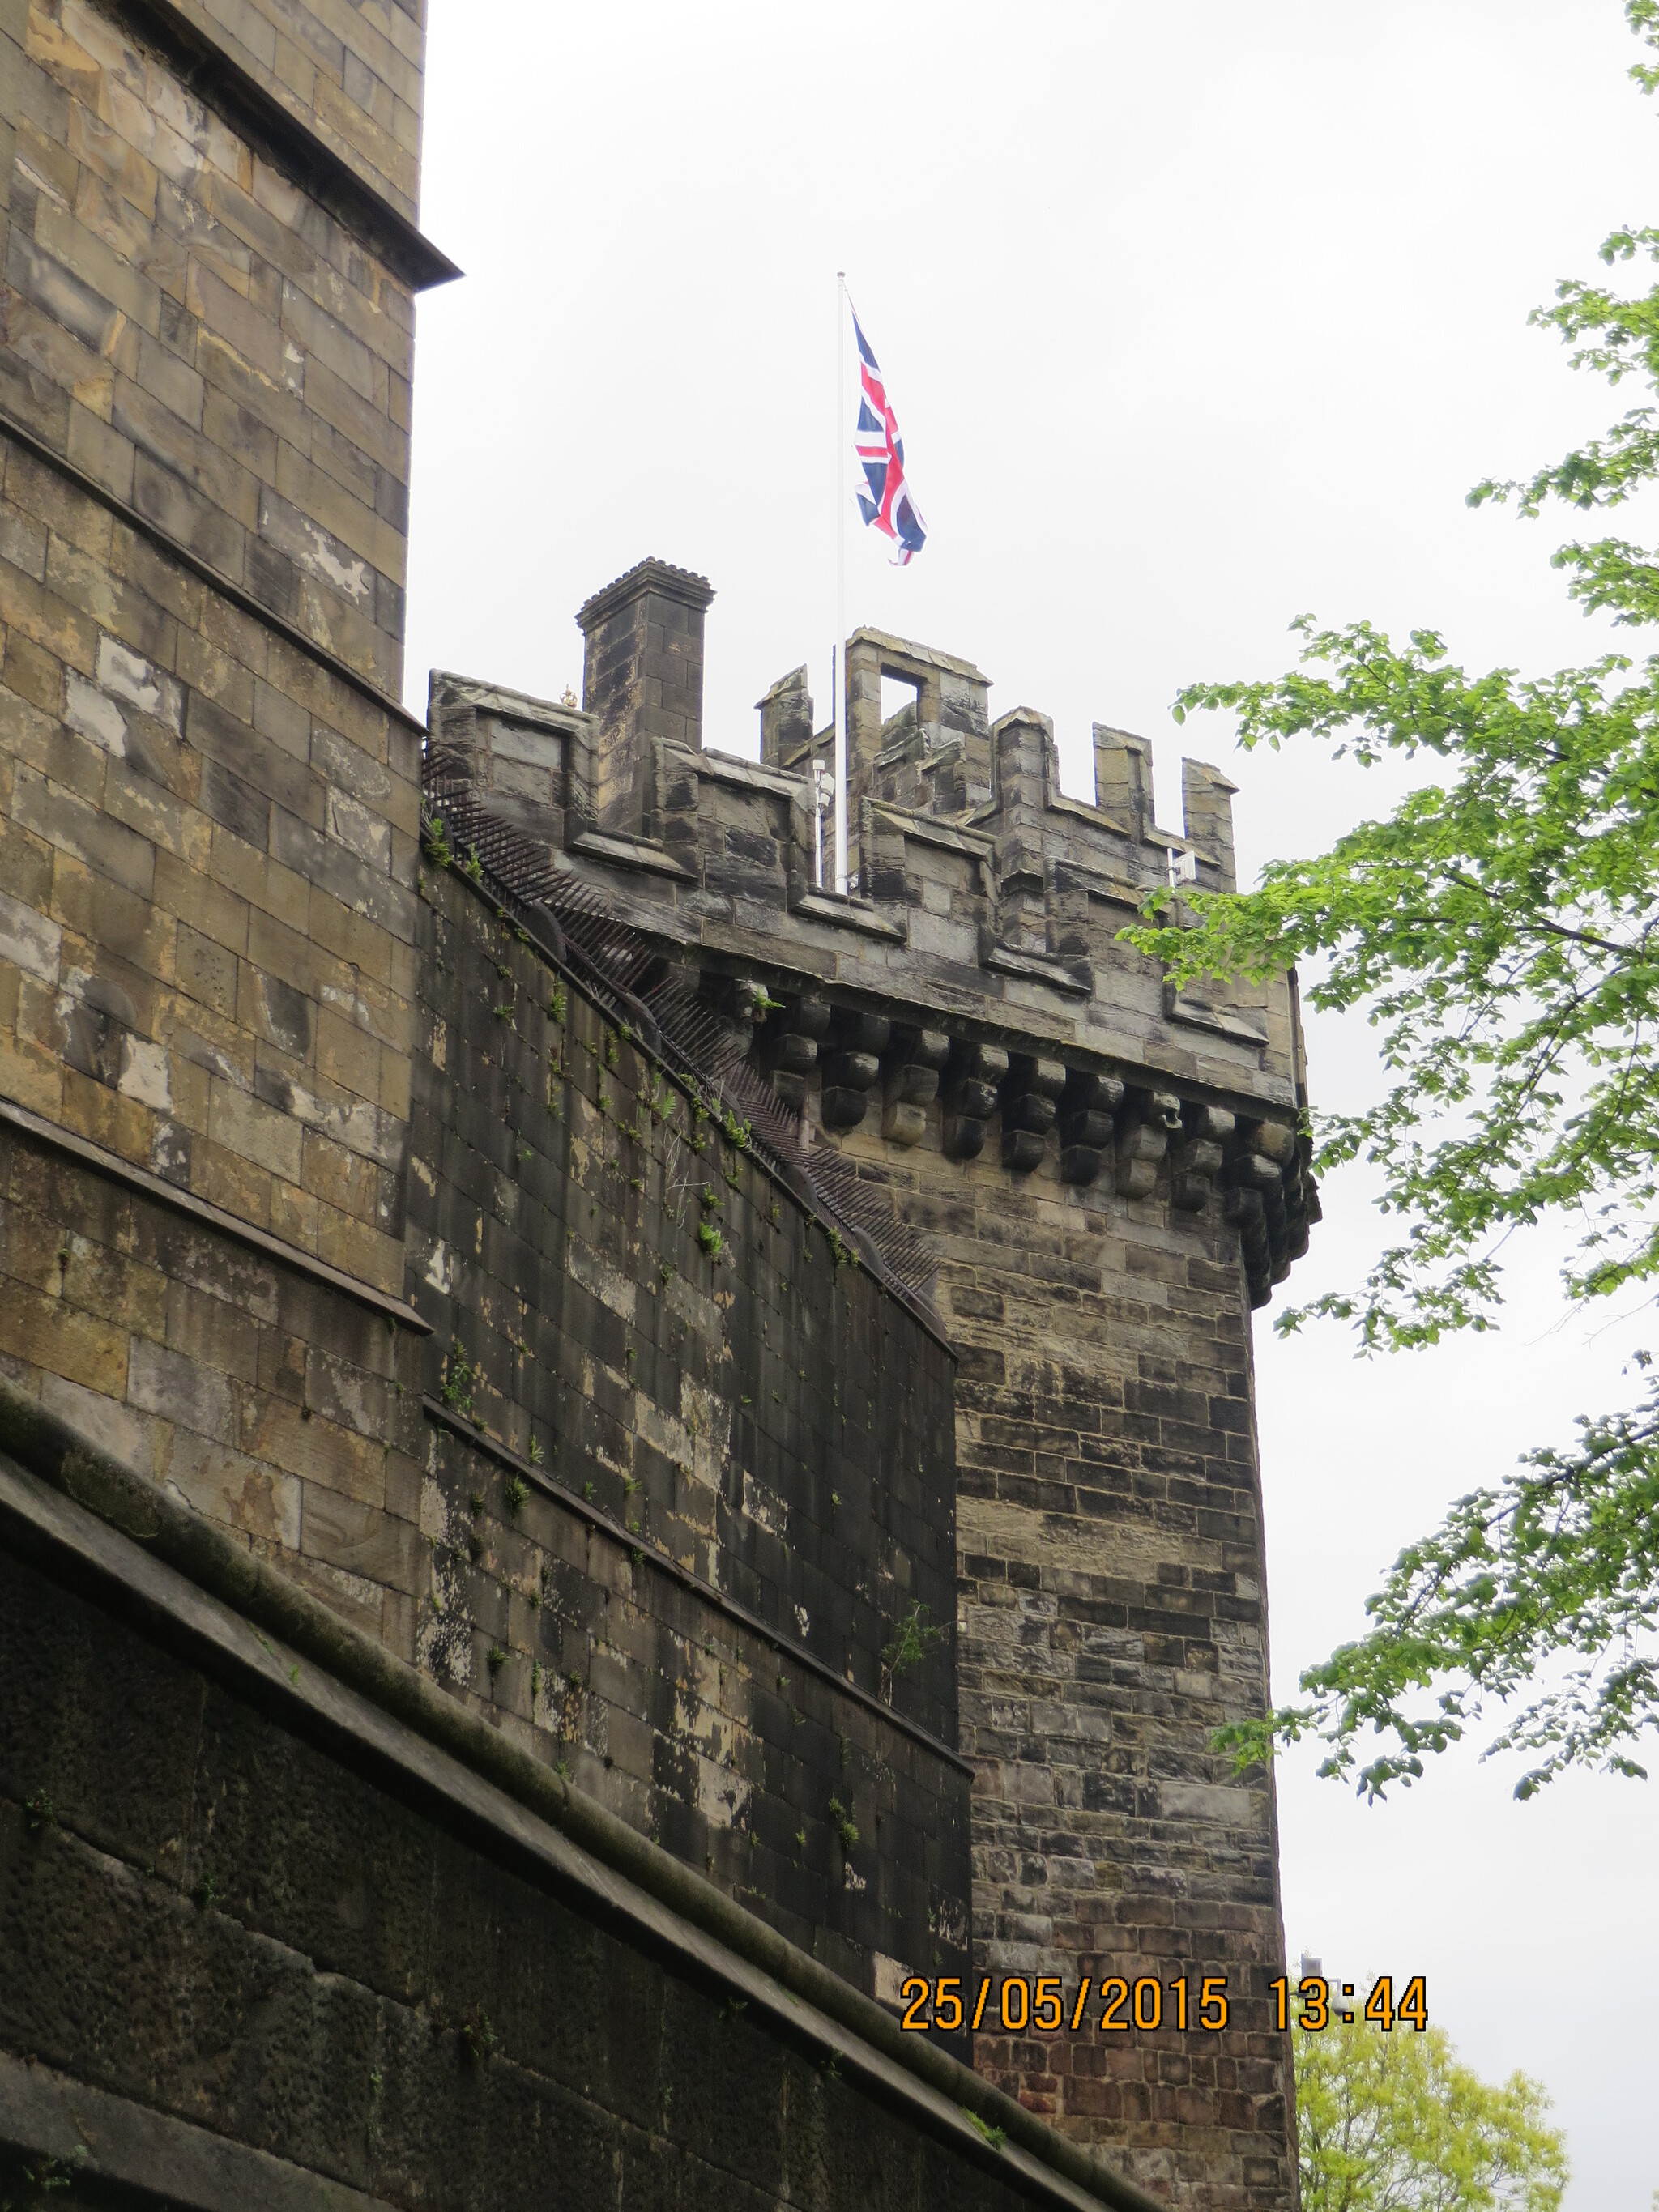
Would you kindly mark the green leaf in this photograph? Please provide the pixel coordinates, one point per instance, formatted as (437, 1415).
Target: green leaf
(1500, 931)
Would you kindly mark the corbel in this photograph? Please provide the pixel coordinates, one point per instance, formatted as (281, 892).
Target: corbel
(851, 1062)
(1144, 1129)
(1199, 1156)
(1088, 1107)
(971, 1077)
(914, 1061)
(789, 1047)
(1031, 1101)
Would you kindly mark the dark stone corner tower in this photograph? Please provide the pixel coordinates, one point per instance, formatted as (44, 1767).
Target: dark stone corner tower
(602, 1454)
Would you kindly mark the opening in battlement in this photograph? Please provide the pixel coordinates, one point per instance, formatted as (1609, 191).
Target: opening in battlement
(901, 706)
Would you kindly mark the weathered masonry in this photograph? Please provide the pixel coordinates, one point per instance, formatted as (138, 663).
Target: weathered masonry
(602, 1454)
(1096, 1176)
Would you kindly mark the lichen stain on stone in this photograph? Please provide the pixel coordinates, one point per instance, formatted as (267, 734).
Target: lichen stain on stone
(600, 1278)
(444, 1646)
(661, 1431)
(723, 1797)
(435, 1506)
(765, 1506)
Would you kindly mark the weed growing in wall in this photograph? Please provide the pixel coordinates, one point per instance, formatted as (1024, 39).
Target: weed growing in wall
(844, 1825)
(458, 1377)
(914, 1637)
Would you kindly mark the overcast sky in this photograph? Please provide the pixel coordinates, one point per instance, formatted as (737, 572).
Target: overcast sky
(1195, 319)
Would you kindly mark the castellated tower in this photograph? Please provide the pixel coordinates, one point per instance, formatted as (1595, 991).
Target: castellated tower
(1097, 1176)
(605, 1455)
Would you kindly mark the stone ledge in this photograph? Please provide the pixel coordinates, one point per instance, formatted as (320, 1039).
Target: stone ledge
(1198, 1014)
(844, 914)
(630, 852)
(159, 1192)
(233, 594)
(260, 115)
(111, 2140)
(76, 1513)
(539, 1478)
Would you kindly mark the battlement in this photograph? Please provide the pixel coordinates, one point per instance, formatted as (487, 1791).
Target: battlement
(977, 969)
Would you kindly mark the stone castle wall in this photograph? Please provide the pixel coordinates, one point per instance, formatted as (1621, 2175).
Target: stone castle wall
(691, 1466)
(208, 809)
(306, 1940)
(1107, 1176)
(338, 1202)
(198, 331)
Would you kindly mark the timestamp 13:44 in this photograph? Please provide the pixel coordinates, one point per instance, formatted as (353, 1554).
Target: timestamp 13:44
(1315, 2011)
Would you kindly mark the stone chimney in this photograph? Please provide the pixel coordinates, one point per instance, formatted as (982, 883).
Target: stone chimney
(641, 680)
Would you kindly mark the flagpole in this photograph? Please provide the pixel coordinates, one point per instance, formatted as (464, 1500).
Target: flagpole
(837, 668)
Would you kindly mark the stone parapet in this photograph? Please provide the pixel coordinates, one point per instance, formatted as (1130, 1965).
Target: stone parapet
(996, 929)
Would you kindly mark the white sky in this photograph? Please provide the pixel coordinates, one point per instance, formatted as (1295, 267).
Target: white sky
(1193, 318)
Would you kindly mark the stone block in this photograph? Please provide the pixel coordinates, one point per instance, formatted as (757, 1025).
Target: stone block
(181, 1389)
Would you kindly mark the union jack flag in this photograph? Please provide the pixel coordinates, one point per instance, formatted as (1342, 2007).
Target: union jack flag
(885, 501)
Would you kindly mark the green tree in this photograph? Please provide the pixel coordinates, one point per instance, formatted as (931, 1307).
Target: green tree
(1393, 2124)
(1501, 928)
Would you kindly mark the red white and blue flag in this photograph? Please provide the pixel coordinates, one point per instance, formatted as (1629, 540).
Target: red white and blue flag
(885, 498)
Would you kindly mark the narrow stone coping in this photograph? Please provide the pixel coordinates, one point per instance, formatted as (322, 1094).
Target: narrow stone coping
(76, 1512)
(919, 828)
(1061, 802)
(350, 198)
(748, 775)
(929, 656)
(845, 914)
(1224, 1021)
(794, 680)
(1037, 968)
(205, 571)
(1057, 802)
(539, 1478)
(665, 924)
(1116, 890)
(928, 757)
(473, 691)
(159, 1192)
(99, 2136)
(630, 853)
